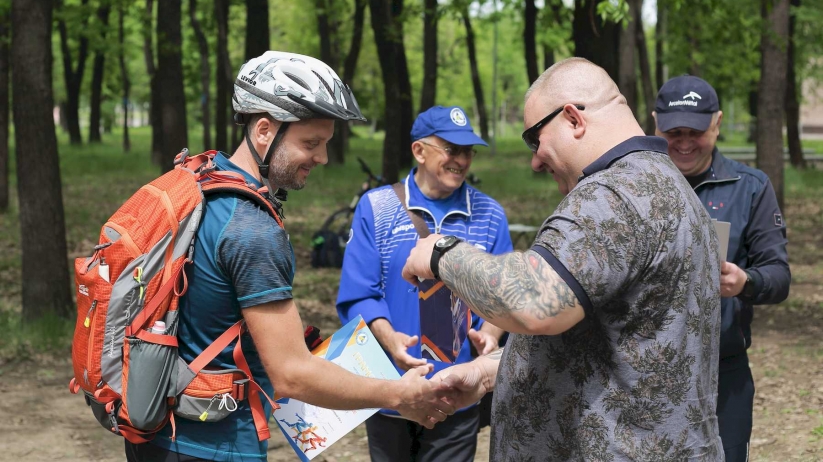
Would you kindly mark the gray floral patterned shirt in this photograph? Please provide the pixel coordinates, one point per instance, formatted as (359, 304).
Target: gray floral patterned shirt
(637, 378)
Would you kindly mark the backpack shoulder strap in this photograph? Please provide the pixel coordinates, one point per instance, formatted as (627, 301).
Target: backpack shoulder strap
(417, 220)
(217, 186)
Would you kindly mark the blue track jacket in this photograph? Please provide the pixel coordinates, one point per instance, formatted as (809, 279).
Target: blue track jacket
(381, 239)
(744, 197)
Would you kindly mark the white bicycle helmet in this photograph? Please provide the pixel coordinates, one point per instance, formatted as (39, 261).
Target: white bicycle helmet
(293, 87)
(289, 87)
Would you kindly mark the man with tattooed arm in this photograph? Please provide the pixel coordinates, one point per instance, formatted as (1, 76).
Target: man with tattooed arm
(615, 309)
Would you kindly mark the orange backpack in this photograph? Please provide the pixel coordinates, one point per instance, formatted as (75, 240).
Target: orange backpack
(125, 360)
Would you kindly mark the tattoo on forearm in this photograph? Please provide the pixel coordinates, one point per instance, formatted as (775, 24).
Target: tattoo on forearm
(496, 354)
(498, 285)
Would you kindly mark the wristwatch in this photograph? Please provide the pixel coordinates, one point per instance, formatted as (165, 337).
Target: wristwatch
(443, 245)
(748, 287)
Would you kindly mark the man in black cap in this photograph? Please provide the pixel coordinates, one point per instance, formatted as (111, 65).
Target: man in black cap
(756, 270)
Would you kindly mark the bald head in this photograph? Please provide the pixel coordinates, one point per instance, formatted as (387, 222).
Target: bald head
(577, 81)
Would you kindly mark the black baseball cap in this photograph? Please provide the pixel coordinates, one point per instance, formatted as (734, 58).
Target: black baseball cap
(686, 101)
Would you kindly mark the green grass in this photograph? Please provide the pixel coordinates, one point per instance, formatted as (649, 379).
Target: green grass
(98, 178)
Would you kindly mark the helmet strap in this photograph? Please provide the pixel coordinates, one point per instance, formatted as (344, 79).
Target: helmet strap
(263, 164)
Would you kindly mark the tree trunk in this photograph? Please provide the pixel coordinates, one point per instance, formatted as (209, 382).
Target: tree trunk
(42, 227)
(124, 76)
(792, 103)
(772, 91)
(478, 87)
(428, 92)
(340, 142)
(627, 82)
(170, 81)
(649, 93)
(659, 39)
(97, 76)
(330, 54)
(406, 107)
(205, 74)
(222, 77)
(548, 57)
(594, 40)
(73, 77)
(529, 45)
(257, 28)
(5, 36)
(397, 137)
(155, 115)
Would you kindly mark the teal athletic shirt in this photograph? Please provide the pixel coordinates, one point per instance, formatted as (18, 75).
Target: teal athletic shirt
(242, 258)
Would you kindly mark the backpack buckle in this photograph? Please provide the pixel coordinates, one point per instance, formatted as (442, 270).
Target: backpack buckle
(240, 389)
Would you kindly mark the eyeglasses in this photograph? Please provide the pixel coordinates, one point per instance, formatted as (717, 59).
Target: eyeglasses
(531, 137)
(453, 150)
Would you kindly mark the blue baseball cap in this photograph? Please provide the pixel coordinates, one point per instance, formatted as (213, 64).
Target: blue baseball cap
(686, 101)
(450, 123)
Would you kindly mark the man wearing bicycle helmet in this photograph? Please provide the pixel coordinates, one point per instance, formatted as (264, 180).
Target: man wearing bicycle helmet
(371, 285)
(244, 266)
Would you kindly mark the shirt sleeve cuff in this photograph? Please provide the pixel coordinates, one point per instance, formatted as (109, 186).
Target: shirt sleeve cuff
(369, 308)
(567, 277)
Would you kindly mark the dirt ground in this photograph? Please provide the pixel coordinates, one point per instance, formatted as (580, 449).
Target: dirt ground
(42, 421)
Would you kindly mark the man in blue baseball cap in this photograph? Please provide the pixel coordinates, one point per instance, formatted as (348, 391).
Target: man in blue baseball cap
(382, 236)
(756, 270)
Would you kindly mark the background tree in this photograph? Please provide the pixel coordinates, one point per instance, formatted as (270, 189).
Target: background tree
(73, 74)
(124, 74)
(155, 114)
(205, 74)
(480, 101)
(772, 91)
(529, 42)
(257, 28)
(627, 73)
(170, 81)
(42, 227)
(101, 30)
(223, 77)
(594, 38)
(428, 89)
(649, 89)
(5, 36)
(792, 97)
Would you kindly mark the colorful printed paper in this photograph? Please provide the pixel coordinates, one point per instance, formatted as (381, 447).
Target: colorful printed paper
(445, 320)
(311, 429)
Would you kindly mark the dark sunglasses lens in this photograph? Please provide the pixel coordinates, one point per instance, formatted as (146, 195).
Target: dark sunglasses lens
(531, 141)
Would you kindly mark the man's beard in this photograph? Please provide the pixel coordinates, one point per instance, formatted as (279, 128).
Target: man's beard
(283, 174)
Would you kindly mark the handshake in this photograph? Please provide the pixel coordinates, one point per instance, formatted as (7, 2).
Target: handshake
(428, 402)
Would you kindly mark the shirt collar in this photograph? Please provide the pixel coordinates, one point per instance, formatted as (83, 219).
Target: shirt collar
(225, 164)
(634, 144)
(416, 199)
(720, 169)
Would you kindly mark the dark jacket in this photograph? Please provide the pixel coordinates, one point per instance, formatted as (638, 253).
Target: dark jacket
(744, 197)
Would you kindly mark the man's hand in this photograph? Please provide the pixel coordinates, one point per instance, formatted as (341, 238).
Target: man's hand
(423, 401)
(732, 279)
(466, 381)
(418, 265)
(398, 343)
(483, 341)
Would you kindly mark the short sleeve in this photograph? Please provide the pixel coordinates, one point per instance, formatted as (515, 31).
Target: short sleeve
(255, 254)
(595, 242)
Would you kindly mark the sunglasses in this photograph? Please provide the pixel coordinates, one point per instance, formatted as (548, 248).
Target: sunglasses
(454, 151)
(531, 135)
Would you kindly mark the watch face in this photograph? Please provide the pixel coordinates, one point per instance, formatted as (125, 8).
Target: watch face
(444, 242)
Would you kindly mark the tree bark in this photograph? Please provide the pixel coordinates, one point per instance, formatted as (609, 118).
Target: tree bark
(478, 87)
(529, 44)
(73, 76)
(124, 76)
(42, 226)
(594, 40)
(170, 81)
(772, 92)
(155, 115)
(428, 92)
(404, 81)
(97, 76)
(205, 74)
(792, 100)
(5, 37)
(257, 28)
(222, 76)
(659, 39)
(397, 137)
(548, 57)
(330, 54)
(649, 93)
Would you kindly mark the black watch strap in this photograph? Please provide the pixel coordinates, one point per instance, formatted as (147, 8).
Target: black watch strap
(437, 254)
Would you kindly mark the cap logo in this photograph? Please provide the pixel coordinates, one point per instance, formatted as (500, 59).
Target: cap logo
(458, 117)
(692, 95)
